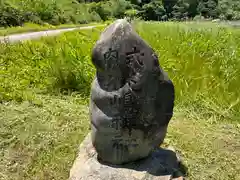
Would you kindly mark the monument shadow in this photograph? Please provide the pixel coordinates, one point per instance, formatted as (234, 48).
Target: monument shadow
(161, 162)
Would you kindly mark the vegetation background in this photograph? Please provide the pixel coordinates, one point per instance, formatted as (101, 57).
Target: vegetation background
(44, 95)
(44, 84)
(55, 12)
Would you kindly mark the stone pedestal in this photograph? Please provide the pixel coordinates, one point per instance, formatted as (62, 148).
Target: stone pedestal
(162, 164)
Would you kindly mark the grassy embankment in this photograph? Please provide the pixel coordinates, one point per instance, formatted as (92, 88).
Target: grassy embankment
(45, 89)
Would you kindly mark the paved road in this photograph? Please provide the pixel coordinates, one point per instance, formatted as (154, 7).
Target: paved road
(35, 35)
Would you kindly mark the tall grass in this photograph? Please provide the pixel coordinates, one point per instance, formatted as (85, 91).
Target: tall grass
(47, 65)
(203, 63)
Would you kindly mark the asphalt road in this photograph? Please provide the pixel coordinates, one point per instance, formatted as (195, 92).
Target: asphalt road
(34, 35)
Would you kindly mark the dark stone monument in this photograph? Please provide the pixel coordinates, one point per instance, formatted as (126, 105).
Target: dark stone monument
(131, 105)
(132, 98)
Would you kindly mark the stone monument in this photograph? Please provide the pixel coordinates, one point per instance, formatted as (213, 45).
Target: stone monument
(131, 98)
(131, 104)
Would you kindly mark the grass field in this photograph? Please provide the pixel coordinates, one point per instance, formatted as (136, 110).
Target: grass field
(45, 88)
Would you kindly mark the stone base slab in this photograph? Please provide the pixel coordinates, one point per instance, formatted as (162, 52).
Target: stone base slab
(163, 164)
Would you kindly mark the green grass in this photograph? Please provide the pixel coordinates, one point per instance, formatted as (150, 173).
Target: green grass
(48, 65)
(30, 27)
(209, 148)
(40, 142)
(202, 62)
(45, 89)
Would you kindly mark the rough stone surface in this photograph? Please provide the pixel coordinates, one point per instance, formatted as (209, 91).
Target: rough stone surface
(161, 165)
(132, 98)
